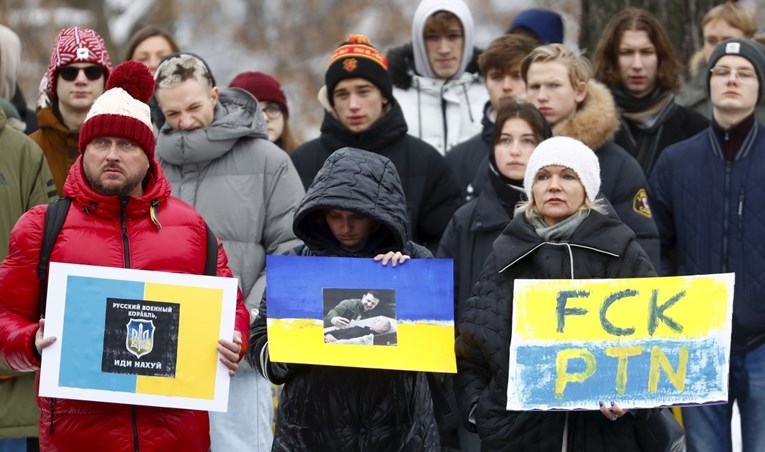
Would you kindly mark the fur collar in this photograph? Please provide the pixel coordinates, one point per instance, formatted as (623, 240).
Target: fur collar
(595, 122)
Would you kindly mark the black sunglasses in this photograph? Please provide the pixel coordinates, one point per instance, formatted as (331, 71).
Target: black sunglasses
(69, 73)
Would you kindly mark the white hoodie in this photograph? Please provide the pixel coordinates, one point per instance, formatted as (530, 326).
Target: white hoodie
(442, 112)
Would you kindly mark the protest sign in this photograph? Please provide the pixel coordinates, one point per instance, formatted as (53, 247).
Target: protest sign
(410, 326)
(641, 342)
(137, 337)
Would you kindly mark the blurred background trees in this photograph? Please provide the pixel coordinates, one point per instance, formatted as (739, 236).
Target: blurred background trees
(292, 39)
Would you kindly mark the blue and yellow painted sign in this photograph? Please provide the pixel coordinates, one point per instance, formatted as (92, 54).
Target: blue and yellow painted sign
(138, 337)
(415, 302)
(641, 342)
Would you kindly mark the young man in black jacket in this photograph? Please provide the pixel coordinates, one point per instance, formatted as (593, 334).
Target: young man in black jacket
(361, 112)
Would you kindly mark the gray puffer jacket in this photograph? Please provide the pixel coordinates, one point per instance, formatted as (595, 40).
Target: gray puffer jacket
(245, 187)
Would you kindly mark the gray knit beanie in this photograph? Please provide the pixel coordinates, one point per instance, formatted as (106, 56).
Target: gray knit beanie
(745, 48)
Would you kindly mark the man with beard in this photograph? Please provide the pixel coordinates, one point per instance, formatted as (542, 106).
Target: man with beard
(122, 216)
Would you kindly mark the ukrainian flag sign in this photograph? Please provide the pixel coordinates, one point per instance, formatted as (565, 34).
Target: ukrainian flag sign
(358, 313)
(137, 337)
(641, 342)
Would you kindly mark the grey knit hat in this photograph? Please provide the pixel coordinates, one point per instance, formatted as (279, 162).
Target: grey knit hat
(745, 48)
(567, 152)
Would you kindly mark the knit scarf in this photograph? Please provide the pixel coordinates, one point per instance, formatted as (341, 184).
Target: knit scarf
(562, 231)
(642, 110)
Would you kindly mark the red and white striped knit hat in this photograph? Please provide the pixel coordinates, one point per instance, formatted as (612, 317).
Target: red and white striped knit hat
(77, 45)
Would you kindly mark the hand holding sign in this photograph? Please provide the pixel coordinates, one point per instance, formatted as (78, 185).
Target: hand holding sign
(41, 343)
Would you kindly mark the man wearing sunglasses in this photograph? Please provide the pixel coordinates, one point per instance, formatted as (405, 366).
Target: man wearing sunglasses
(707, 199)
(77, 72)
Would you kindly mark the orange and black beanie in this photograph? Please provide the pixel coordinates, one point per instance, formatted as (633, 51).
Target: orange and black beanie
(357, 58)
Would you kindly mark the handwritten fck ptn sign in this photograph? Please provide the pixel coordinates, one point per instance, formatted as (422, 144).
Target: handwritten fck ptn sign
(641, 342)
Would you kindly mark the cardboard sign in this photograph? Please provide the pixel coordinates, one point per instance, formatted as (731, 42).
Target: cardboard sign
(410, 326)
(137, 337)
(641, 342)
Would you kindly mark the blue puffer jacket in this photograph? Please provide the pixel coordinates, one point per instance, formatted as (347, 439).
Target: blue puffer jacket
(711, 218)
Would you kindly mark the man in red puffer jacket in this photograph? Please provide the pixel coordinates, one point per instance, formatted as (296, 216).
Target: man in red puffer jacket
(122, 215)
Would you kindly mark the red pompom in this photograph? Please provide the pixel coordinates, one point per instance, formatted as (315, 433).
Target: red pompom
(135, 78)
(359, 39)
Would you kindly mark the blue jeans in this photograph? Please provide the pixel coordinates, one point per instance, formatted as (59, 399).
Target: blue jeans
(708, 428)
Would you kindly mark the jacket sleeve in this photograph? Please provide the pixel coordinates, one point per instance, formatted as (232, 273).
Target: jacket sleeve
(661, 205)
(19, 293)
(635, 263)
(630, 183)
(258, 355)
(241, 317)
(283, 193)
(43, 190)
(447, 249)
(441, 199)
(473, 356)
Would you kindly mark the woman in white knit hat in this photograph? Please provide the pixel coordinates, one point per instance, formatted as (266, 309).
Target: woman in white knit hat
(562, 231)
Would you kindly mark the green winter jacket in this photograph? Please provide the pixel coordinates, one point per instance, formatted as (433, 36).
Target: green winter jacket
(25, 181)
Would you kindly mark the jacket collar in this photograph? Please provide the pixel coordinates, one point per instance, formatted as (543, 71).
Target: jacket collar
(237, 116)
(595, 122)
(598, 232)
(389, 128)
(156, 191)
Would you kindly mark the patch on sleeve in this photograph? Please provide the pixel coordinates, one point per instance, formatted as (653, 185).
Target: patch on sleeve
(640, 203)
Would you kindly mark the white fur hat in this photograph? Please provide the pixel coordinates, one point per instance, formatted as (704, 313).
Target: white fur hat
(568, 152)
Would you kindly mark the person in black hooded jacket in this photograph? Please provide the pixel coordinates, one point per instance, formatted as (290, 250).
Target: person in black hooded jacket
(562, 181)
(341, 408)
(361, 112)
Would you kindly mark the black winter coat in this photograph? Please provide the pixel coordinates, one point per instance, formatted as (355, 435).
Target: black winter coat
(340, 408)
(432, 195)
(675, 124)
(466, 158)
(473, 229)
(601, 247)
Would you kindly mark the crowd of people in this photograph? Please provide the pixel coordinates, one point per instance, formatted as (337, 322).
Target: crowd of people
(522, 160)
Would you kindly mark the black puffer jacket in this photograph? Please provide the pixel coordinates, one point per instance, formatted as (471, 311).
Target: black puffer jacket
(601, 247)
(339, 408)
(432, 195)
(469, 237)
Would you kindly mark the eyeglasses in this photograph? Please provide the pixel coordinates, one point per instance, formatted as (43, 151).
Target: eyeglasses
(273, 111)
(69, 73)
(741, 74)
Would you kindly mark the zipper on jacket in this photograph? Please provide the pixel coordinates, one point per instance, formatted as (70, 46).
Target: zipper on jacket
(126, 257)
(134, 419)
(123, 222)
(52, 413)
(740, 229)
(726, 218)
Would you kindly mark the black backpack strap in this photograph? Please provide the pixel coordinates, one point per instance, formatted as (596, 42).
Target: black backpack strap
(211, 265)
(55, 215)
